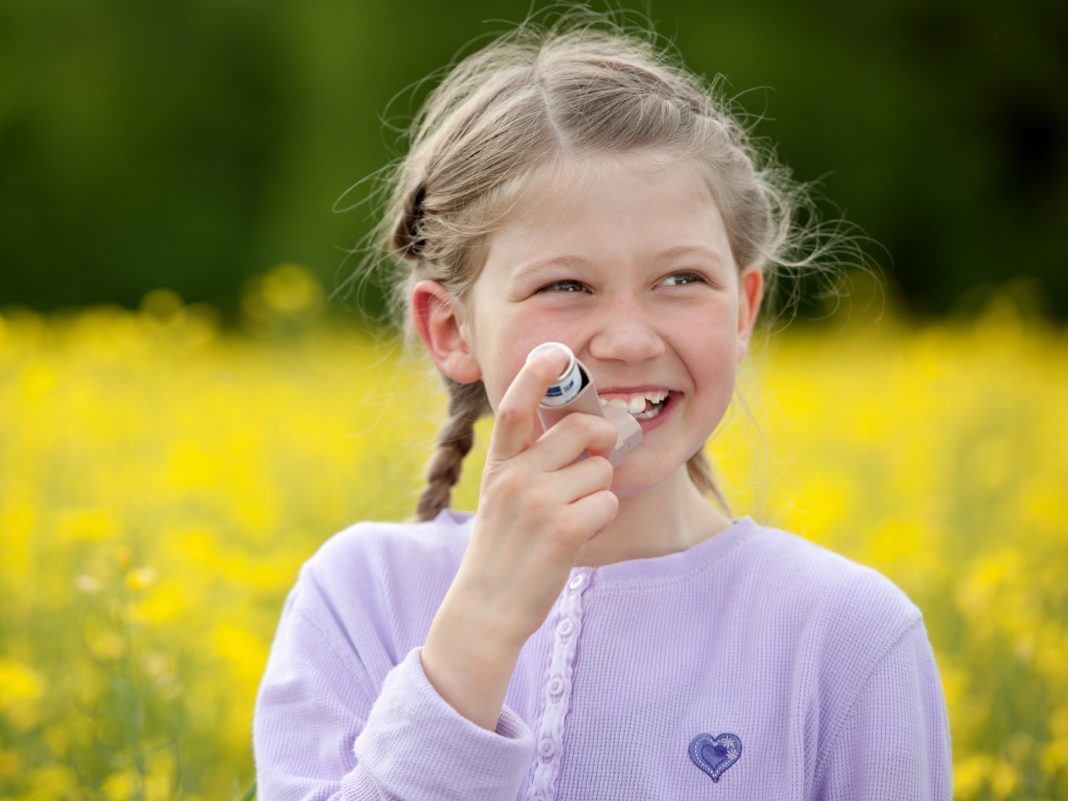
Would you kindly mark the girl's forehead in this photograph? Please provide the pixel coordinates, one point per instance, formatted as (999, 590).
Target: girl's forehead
(614, 207)
(593, 184)
(567, 173)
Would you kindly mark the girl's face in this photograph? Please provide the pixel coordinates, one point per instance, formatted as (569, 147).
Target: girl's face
(627, 261)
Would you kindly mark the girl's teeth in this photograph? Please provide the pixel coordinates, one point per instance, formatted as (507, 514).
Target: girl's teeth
(636, 404)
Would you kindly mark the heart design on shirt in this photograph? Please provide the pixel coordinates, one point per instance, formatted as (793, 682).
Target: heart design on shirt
(714, 755)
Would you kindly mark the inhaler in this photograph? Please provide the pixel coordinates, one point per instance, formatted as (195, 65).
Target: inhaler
(573, 391)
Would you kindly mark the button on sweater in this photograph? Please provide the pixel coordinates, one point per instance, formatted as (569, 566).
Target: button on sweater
(754, 665)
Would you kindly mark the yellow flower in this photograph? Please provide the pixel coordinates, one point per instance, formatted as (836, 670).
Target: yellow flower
(287, 290)
(107, 645)
(1004, 780)
(165, 602)
(38, 380)
(122, 785)
(161, 303)
(970, 774)
(21, 689)
(51, 782)
(141, 578)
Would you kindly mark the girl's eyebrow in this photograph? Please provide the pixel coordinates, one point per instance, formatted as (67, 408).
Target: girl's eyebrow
(526, 269)
(532, 268)
(691, 250)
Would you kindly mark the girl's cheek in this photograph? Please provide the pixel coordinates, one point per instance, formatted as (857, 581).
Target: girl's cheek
(566, 325)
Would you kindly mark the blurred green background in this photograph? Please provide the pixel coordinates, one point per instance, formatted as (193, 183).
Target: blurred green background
(195, 143)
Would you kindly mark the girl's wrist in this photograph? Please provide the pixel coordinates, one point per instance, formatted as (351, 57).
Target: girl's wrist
(470, 667)
(473, 625)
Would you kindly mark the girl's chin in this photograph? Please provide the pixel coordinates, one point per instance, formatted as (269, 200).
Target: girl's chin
(634, 478)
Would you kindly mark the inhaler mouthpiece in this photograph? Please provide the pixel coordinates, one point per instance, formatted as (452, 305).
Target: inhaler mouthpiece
(569, 383)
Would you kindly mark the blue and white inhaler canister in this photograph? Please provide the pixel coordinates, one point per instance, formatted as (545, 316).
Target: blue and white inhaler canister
(574, 391)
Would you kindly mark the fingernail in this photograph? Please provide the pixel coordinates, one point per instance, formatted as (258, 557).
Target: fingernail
(558, 358)
(556, 353)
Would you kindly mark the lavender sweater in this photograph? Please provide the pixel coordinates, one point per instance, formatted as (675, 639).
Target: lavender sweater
(754, 665)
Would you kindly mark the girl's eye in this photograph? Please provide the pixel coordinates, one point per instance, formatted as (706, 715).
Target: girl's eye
(682, 279)
(564, 286)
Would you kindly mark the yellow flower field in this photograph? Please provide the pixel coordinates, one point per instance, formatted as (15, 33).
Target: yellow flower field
(161, 481)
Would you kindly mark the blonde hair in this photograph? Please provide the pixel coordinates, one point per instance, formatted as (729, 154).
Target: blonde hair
(534, 96)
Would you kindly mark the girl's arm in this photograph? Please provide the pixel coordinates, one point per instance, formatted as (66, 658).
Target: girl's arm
(537, 507)
(326, 728)
(893, 743)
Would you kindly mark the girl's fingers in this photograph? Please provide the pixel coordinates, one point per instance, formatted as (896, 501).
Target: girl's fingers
(583, 478)
(518, 408)
(593, 512)
(570, 438)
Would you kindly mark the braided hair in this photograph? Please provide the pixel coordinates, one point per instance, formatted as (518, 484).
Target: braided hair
(467, 403)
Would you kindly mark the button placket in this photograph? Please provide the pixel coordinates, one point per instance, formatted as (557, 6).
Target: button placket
(557, 694)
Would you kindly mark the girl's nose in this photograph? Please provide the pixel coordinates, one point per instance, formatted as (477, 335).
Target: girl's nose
(626, 336)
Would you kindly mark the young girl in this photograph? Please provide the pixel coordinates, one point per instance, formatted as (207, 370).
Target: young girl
(590, 632)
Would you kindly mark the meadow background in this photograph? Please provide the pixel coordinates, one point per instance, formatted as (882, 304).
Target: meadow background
(164, 479)
(189, 406)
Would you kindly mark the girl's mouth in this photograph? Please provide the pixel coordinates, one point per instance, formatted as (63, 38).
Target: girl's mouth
(642, 405)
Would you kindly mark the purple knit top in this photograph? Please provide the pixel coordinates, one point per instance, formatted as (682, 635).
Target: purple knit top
(754, 665)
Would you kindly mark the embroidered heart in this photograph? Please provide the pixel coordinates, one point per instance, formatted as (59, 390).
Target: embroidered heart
(714, 755)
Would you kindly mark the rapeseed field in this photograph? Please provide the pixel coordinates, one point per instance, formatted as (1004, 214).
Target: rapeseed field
(161, 481)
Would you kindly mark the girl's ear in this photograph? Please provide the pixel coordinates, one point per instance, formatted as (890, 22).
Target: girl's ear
(750, 293)
(439, 321)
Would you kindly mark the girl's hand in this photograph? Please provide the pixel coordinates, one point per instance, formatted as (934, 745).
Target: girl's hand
(537, 507)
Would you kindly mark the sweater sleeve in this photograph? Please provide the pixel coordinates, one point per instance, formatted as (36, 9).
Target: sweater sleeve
(324, 728)
(894, 741)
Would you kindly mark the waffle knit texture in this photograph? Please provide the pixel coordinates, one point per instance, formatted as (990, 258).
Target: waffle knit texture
(754, 665)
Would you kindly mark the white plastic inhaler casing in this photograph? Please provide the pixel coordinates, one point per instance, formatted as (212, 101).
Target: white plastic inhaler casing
(574, 391)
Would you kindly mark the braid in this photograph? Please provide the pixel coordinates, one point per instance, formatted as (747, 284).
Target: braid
(467, 403)
(407, 239)
(700, 471)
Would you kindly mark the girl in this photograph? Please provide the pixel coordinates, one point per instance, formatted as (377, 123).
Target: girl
(590, 632)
